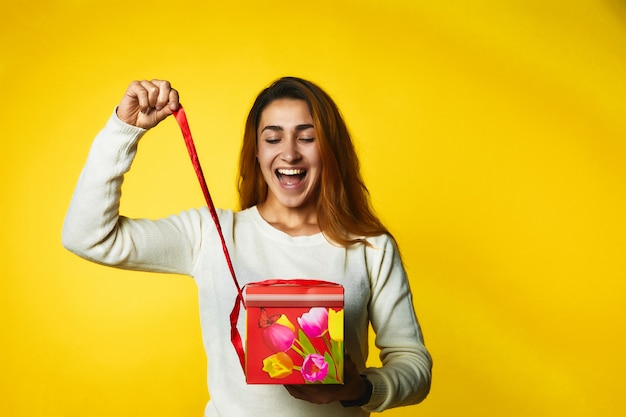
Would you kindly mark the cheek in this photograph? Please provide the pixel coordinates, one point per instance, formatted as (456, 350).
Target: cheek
(316, 159)
(260, 156)
(263, 160)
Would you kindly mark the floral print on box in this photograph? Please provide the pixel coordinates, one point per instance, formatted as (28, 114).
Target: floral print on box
(320, 362)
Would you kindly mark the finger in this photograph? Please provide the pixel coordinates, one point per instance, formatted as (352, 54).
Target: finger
(135, 100)
(163, 93)
(173, 101)
(299, 394)
(137, 95)
(170, 104)
(152, 94)
(137, 92)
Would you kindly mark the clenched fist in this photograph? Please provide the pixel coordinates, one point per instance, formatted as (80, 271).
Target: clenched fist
(146, 103)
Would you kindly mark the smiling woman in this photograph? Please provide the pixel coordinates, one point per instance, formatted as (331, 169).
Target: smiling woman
(312, 220)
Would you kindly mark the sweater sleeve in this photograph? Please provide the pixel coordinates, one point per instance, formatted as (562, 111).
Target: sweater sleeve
(405, 375)
(93, 228)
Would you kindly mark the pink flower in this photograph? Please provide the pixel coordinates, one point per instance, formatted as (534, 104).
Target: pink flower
(278, 338)
(315, 322)
(314, 368)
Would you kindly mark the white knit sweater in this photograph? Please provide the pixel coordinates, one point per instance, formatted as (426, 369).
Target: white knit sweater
(376, 287)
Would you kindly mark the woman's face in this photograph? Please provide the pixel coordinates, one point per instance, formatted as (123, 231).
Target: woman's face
(288, 154)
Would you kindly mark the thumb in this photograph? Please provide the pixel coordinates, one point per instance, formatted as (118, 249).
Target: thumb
(173, 106)
(166, 111)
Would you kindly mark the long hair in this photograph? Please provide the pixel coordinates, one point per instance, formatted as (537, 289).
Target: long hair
(344, 210)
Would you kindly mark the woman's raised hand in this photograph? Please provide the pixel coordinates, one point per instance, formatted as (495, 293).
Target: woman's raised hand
(146, 103)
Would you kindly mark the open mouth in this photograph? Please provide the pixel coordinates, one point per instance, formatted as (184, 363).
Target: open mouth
(291, 177)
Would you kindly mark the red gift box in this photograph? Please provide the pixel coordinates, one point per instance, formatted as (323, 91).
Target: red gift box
(294, 332)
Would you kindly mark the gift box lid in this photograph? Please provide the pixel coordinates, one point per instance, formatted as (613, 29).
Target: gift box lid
(294, 293)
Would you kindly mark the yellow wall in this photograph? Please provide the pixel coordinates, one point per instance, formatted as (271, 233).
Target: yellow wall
(492, 136)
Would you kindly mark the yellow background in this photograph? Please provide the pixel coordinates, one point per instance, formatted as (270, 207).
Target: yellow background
(492, 138)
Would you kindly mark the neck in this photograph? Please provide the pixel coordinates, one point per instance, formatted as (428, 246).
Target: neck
(301, 221)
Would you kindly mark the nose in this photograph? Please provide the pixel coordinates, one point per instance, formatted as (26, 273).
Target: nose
(289, 152)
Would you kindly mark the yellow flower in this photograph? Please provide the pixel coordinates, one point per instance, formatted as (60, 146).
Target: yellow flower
(278, 365)
(285, 322)
(335, 324)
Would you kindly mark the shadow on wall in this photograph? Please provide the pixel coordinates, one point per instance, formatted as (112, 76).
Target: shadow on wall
(619, 7)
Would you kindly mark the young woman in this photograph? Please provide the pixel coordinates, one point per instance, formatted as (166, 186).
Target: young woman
(305, 213)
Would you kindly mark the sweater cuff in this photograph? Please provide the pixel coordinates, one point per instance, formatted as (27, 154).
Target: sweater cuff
(365, 398)
(380, 391)
(123, 127)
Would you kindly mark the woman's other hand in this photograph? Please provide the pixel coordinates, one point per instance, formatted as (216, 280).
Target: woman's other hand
(353, 387)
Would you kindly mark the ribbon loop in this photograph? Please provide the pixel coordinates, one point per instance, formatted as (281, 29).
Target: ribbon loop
(235, 337)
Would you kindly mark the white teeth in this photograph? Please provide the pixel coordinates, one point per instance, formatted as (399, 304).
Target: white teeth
(291, 171)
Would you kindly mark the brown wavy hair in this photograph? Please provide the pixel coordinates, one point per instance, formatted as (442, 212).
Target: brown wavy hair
(344, 210)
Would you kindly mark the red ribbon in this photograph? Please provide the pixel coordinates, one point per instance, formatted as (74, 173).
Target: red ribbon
(235, 337)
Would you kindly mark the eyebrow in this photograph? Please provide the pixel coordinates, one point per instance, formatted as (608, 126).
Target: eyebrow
(299, 128)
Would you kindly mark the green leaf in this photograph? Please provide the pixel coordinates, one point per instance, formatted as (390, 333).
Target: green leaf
(330, 378)
(337, 348)
(307, 346)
